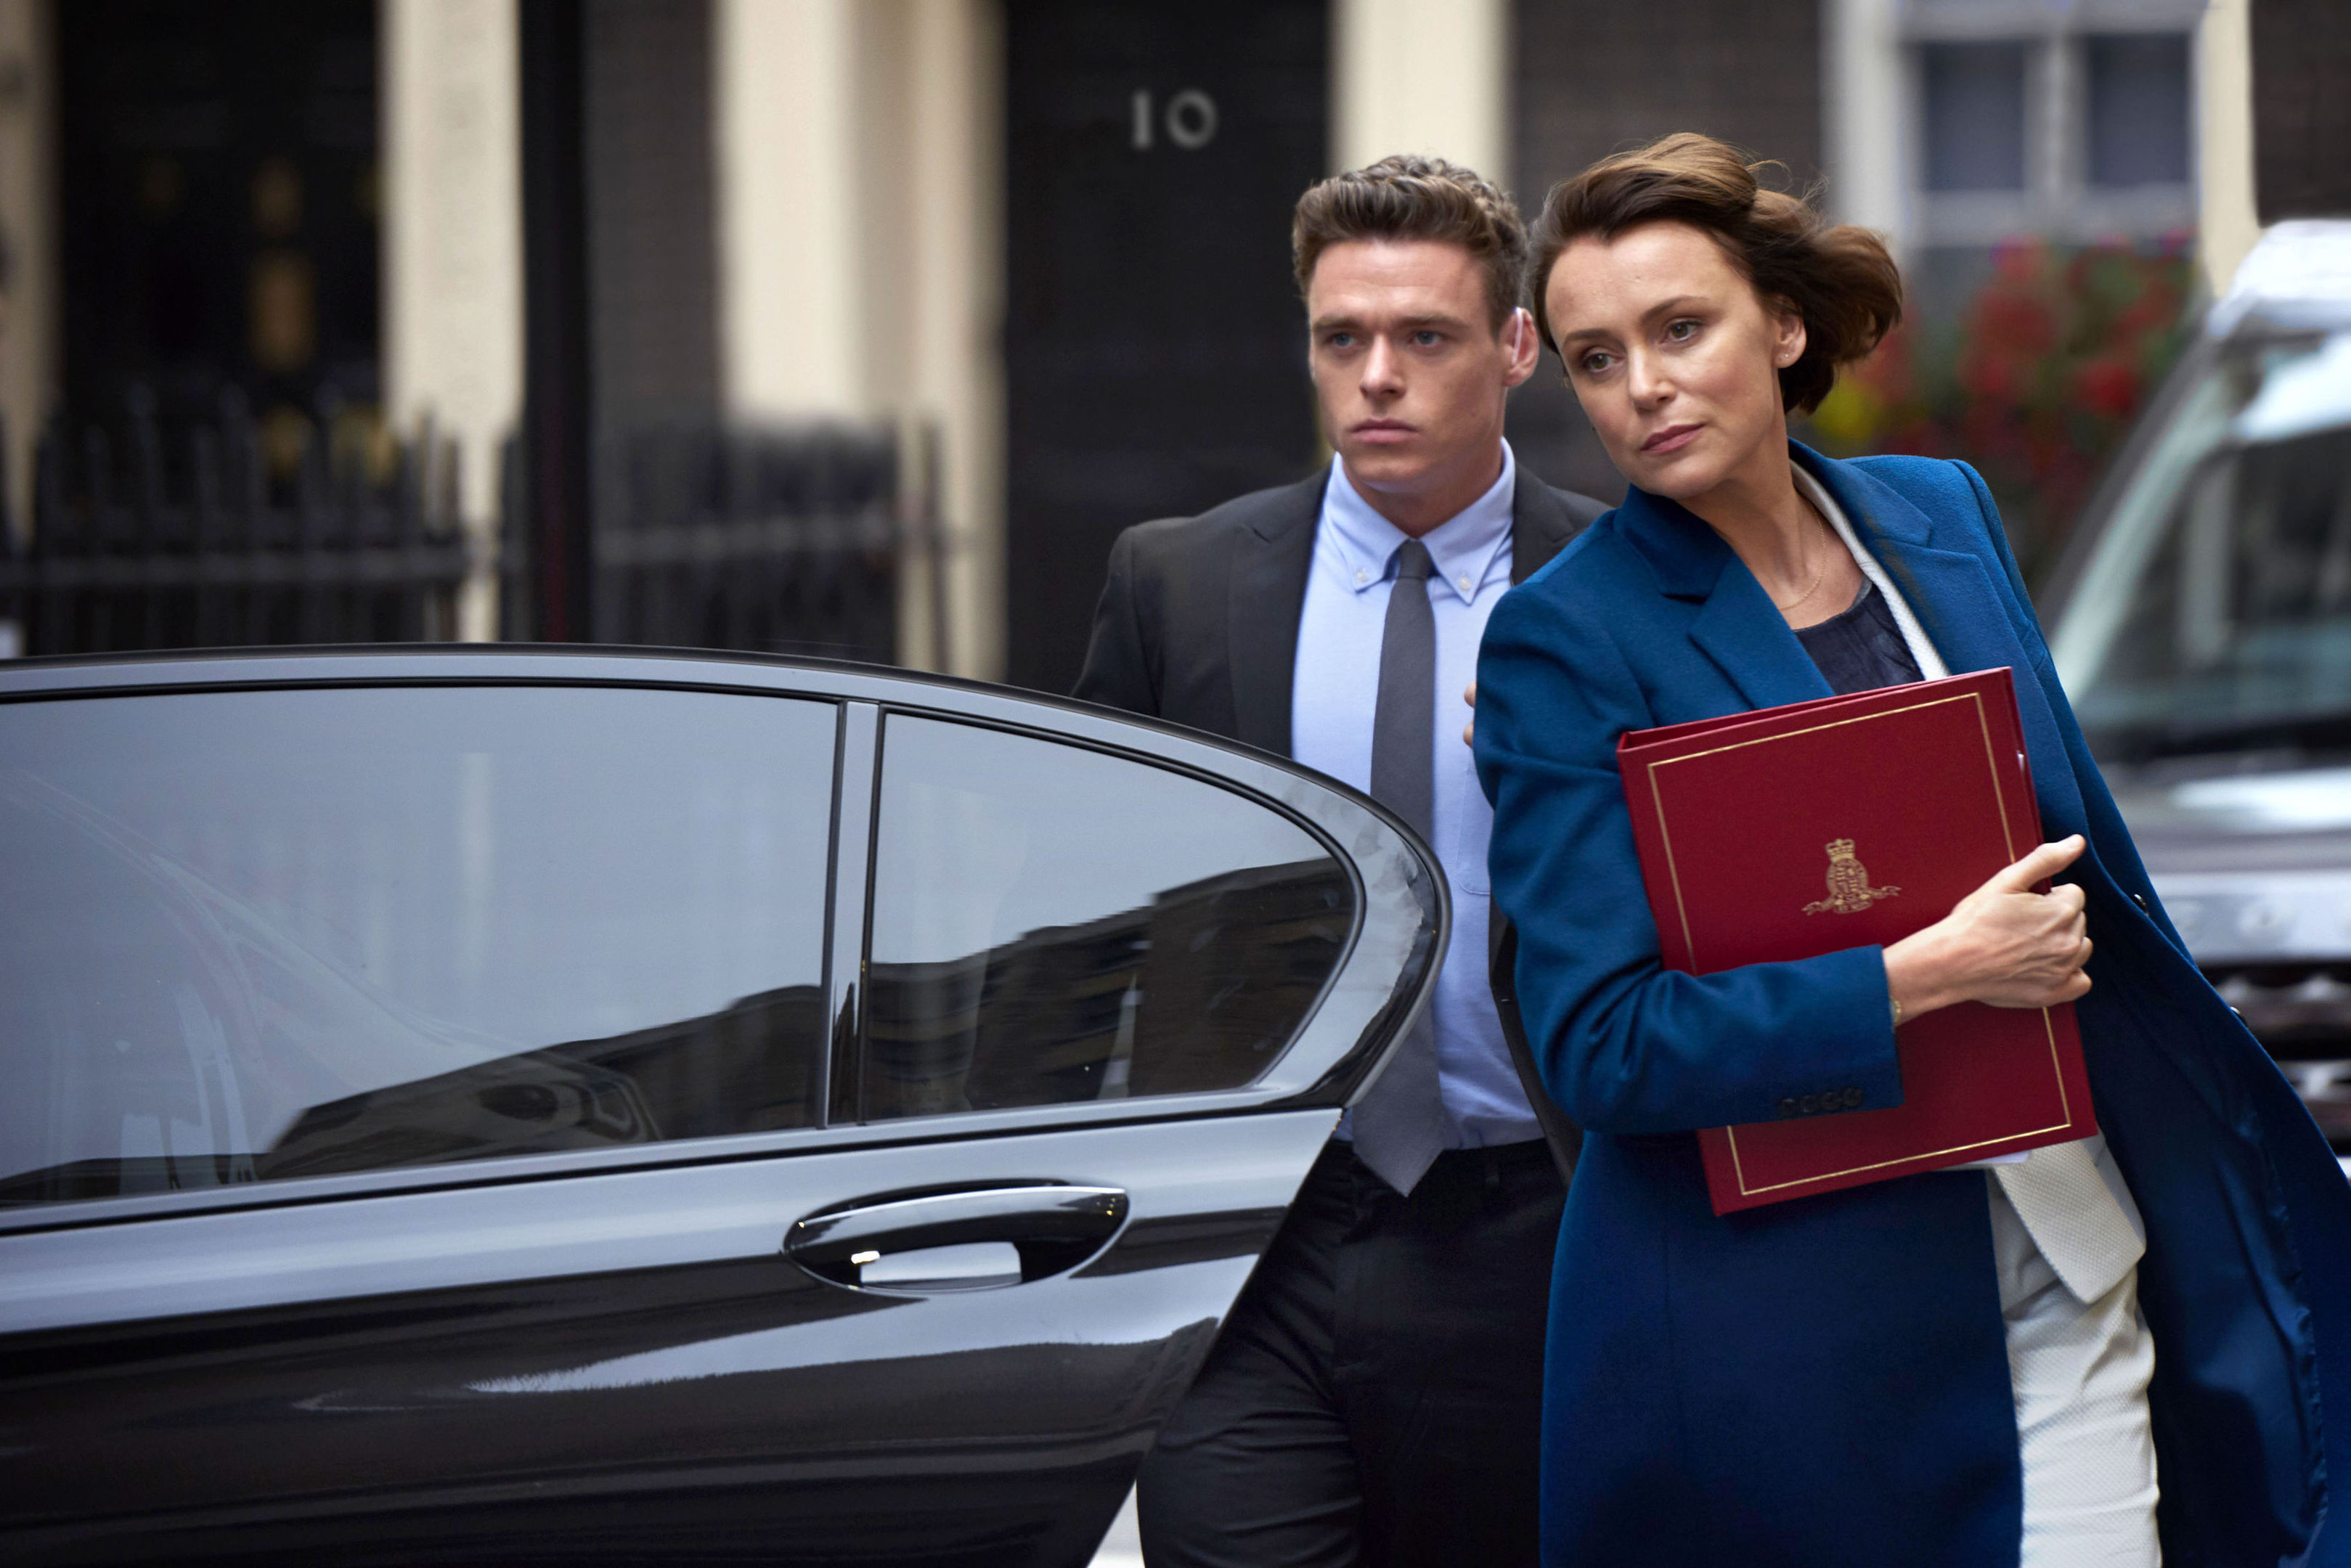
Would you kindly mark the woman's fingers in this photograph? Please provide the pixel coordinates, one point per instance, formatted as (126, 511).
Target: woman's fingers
(2045, 862)
(1469, 730)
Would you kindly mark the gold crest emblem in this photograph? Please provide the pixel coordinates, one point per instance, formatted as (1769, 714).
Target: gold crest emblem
(1849, 889)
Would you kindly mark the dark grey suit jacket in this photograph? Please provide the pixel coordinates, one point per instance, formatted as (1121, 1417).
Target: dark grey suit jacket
(1198, 625)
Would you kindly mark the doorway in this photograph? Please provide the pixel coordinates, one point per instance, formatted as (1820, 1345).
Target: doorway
(1155, 345)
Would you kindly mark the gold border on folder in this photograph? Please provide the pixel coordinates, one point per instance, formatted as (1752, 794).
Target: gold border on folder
(1681, 910)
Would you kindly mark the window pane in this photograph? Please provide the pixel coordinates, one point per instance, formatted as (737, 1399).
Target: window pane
(2218, 607)
(255, 935)
(1974, 115)
(1054, 924)
(2138, 109)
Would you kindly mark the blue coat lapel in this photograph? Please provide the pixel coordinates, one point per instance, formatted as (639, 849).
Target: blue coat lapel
(1741, 632)
(1732, 621)
(1964, 615)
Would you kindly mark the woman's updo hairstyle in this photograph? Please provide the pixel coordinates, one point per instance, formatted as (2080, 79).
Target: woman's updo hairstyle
(1838, 277)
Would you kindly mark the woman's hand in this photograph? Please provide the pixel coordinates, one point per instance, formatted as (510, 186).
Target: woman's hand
(1470, 730)
(2002, 943)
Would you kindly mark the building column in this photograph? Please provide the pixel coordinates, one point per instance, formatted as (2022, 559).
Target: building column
(2226, 222)
(1409, 76)
(859, 175)
(785, 130)
(947, 308)
(453, 306)
(29, 219)
(1867, 148)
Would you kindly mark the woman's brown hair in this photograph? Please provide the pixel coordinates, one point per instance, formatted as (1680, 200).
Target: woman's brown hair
(1838, 277)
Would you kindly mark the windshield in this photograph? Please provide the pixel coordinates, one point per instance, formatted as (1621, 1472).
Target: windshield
(2216, 610)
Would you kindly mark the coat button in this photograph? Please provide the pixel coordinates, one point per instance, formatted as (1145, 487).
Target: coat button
(1811, 1104)
(1853, 1098)
(1788, 1107)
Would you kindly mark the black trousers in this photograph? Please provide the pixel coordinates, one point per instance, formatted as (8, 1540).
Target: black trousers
(1377, 1397)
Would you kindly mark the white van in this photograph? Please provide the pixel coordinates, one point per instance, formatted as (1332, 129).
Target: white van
(2201, 622)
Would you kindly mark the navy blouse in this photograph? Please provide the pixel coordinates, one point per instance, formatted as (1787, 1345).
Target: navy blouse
(1860, 648)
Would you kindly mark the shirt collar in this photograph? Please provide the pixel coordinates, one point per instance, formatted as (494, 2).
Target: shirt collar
(1463, 547)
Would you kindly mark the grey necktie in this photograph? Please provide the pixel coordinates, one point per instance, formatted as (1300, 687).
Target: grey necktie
(1400, 1124)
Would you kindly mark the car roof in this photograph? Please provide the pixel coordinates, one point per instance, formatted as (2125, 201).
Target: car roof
(2297, 274)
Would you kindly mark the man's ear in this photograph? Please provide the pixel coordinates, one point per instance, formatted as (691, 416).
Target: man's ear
(1522, 344)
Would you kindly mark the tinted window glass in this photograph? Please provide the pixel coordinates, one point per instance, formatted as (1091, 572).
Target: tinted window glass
(1974, 115)
(2215, 613)
(1054, 924)
(255, 935)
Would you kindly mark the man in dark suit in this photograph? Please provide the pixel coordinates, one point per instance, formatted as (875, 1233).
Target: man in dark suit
(1376, 1396)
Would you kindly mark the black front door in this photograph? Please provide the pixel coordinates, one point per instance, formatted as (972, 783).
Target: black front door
(1155, 345)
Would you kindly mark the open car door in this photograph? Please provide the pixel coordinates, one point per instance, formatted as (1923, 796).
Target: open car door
(530, 1107)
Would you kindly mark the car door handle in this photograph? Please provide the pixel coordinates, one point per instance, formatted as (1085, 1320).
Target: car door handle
(1052, 1227)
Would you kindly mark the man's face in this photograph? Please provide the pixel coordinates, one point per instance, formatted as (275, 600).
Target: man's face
(1408, 369)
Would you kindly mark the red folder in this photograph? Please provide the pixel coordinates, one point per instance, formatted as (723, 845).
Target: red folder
(1855, 821)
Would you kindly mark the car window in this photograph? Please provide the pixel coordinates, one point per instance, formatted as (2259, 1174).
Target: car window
(1053, 923)
(2216, 610)
(267, 933)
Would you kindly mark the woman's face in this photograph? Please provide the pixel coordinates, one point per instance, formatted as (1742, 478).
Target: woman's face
(1674, 356)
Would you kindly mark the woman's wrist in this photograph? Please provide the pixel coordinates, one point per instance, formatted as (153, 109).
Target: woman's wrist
(1921, 975)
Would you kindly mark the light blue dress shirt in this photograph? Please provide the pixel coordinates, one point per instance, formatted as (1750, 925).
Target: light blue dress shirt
(1334, 696)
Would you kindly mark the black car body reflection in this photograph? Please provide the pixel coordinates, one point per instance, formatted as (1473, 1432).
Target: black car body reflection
(521, 1106)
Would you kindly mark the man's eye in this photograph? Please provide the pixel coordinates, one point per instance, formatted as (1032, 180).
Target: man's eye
(1341, 340)
(1426, 338)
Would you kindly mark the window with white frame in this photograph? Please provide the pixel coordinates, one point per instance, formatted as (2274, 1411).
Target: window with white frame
(2068, 118)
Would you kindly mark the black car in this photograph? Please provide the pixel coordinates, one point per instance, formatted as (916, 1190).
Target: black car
(533, 1106)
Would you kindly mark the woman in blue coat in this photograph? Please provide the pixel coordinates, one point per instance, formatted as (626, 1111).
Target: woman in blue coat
(2129, 1350)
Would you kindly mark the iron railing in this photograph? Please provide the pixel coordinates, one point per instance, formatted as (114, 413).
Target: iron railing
(783, 541)
(141, 540)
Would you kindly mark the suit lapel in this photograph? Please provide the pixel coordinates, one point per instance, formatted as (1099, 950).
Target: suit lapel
(1274, 553)
(1540, 527)
(1268, 593)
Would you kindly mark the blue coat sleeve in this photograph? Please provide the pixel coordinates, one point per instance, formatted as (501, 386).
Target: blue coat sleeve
(1624, 1045)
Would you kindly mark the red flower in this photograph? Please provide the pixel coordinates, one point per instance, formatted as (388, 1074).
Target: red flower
(2037, 379)
(2108, 388)
(2020, 260)
(2014, 324)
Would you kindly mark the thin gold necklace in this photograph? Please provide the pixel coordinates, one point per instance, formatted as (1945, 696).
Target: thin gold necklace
(1815, 588)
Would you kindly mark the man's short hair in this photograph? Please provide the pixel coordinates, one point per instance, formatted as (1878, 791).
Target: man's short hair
(1411, 197)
